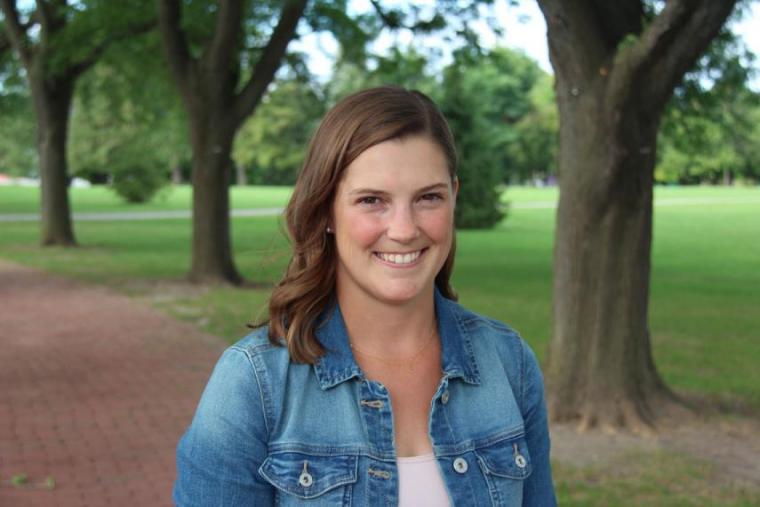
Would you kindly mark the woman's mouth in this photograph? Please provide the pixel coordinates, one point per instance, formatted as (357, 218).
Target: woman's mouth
(400, 258)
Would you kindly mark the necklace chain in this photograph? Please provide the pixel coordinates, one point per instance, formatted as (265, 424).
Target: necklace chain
(408, 362)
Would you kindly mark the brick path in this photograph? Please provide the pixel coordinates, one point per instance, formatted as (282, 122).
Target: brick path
(95, 391)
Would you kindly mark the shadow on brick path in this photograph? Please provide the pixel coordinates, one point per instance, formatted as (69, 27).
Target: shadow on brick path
(95, 391)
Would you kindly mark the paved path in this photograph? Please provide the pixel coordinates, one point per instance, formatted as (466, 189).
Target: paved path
(95, 391)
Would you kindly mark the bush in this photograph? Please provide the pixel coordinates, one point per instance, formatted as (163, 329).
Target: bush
(136, 179)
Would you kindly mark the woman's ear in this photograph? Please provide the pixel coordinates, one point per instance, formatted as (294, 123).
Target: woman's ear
(455, 188)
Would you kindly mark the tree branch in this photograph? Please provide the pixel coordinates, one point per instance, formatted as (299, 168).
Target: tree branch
(658, 60)
(80, 66)
(591, 28)
(174, 40)
(16, 32)
(265, 68)
(391, 21)
(229, 21)
(5, 43)
(571, 31)
(45, 17)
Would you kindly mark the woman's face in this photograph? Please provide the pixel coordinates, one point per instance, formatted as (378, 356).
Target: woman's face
(393, 220)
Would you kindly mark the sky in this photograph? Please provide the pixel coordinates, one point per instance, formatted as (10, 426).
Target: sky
(524, 29)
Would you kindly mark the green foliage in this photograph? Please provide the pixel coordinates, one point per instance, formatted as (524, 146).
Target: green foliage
(127, 124)
(485, 96)
(533, 152)
(18, 153)
(272, 144)
(405, 67)
(133, 175)
(711, 126)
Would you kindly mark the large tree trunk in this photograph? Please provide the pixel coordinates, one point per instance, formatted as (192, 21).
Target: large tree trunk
(52, 104)
(616, 67)
(212, 260)
(601, 370)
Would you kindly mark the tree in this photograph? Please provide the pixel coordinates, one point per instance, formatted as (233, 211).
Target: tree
(616, 65)
(56, 43)
(484, 95)
(219, 92)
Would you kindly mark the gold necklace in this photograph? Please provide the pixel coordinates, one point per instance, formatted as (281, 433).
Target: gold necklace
(409, 363)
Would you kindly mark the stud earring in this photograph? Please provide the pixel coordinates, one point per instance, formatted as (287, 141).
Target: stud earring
(329, 230)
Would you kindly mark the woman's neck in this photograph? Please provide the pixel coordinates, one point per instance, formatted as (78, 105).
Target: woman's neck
(388, 329)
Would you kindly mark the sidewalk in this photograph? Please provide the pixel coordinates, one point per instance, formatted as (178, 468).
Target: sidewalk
(95, 391)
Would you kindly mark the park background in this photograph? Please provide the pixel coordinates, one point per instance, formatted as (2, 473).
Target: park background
(129, 154)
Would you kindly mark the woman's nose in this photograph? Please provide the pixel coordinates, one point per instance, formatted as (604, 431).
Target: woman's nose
(403, 225)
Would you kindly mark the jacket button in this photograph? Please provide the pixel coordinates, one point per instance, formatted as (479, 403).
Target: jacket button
(445, 397)
(520, 461)
(460, 465)
(305, 479)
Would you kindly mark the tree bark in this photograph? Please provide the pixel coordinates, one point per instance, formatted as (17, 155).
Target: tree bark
(241, 179)
(613, 79)
(52, 103)
(601, 370)
(212, 137)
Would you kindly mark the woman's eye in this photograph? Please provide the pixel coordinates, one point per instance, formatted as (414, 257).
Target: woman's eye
(432, 197)
(370, 199)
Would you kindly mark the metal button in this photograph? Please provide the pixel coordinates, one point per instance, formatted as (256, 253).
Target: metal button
(520, 461)
(445, 397)
(460, 465)
(305, 479)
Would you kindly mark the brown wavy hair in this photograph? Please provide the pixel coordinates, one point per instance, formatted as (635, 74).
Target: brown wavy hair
(353, 125)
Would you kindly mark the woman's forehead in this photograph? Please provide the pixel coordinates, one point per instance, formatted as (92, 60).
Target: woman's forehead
(416, 161)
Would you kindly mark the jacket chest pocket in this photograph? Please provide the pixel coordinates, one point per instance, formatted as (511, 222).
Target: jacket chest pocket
(304, 479)
(506, 465)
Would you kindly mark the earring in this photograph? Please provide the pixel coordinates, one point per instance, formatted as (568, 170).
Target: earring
(329, 230)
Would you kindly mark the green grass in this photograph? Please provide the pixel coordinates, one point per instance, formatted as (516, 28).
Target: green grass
(662, 478)
(99, 198)
(704, 307)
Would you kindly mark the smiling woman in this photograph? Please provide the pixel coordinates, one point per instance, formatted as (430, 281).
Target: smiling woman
(370, 385)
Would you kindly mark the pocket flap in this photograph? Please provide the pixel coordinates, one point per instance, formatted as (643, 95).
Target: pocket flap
(307, 476)
(507, 458)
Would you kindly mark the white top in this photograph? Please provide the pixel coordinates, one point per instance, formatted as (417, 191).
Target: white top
(420, 483)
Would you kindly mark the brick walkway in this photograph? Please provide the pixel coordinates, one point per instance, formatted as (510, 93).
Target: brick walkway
(95, 391)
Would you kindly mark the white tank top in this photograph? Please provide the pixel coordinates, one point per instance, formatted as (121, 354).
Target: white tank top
(420, 483)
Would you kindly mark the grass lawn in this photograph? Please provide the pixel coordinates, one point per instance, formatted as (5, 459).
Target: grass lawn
(100, 198)
(704, 311)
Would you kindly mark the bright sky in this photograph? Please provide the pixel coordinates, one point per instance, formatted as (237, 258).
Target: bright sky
(524, 29)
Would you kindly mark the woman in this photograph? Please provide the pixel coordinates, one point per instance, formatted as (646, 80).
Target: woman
(370, 385)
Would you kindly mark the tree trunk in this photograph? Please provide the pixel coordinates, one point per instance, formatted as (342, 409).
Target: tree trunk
(212, 260)
(616, 67)
(601, 370)
(240, 176)
(52, 103)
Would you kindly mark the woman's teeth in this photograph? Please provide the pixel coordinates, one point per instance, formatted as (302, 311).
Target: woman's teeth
(406, 258)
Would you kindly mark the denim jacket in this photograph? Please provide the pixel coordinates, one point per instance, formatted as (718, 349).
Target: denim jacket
(269, 431)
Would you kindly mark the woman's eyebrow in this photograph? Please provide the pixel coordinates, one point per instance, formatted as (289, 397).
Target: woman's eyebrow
(428, 188)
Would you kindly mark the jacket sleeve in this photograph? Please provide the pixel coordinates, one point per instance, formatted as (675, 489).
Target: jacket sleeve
(219, 456)
(539, 488)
